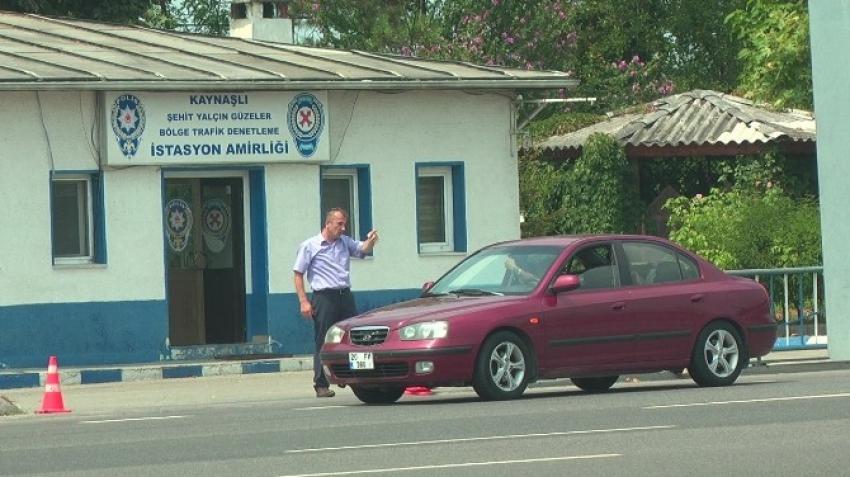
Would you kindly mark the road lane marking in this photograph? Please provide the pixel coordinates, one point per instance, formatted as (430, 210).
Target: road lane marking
(478, 439)
(748, 401)
(455, 466)
(134, 419)
(317, 408)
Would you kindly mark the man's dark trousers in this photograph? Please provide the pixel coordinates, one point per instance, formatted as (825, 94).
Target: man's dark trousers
(329, 306)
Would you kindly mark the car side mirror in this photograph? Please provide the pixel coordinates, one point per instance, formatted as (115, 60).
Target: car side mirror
(565, 283)
(426, 286)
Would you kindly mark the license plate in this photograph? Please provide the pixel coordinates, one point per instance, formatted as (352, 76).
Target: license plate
(361, 361)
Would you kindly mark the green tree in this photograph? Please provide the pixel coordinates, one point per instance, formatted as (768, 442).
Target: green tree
(402, 27)
(595, 194)
(125, 11)
(775, 57)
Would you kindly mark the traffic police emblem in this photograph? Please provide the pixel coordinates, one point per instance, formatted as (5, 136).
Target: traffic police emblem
(128, 123)
(178, 224)
(305, 118)
(216, 224)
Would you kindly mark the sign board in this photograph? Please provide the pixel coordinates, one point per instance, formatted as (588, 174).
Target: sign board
(151, 128)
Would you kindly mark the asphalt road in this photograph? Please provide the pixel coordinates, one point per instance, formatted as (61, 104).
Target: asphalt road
(271, 426)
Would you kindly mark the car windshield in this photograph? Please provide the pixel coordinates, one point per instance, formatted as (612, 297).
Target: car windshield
(499, 270)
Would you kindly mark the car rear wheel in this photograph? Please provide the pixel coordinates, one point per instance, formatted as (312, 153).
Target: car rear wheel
(500, 369)
(595, 385)
(718, 356)
(377, 395)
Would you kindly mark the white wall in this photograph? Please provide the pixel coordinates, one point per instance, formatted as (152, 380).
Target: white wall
(132, 202)
(383, 130)
(386, 131)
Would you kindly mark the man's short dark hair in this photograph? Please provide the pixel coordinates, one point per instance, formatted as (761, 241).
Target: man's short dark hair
(335, 210)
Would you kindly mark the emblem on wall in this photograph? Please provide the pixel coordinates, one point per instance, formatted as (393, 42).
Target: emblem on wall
(305, 118)
(128, 123)
(178, 224)
(216, 224)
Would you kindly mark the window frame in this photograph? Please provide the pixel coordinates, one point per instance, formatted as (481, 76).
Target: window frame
(360, 195)
(445, 172)
(94, 230)
(455, 197)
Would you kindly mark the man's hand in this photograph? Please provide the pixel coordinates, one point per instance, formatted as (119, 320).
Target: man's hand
(307, 309)
(369, 243)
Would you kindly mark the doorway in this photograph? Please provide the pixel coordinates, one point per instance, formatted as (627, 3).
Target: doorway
(205, 259)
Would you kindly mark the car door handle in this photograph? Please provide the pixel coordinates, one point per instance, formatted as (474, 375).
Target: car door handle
(697, 298)
(619, 305)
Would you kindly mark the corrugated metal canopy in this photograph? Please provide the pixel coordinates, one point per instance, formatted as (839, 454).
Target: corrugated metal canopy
(38, 52)
(698, 122)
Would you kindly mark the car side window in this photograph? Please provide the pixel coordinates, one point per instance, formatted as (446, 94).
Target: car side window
(596, 267)
(650, 263)
(690, 270)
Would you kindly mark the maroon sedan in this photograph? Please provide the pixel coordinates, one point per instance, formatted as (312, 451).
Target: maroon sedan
(585, 307)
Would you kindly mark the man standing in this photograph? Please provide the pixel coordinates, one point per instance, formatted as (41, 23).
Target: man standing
(326, 258)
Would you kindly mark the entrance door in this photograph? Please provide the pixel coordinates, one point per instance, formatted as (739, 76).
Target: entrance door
(204, 228)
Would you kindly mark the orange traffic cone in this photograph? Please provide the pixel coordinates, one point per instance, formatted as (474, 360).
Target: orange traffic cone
(418, 391)
(52, 401)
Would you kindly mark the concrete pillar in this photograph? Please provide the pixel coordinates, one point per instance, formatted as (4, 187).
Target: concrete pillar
(829, 24)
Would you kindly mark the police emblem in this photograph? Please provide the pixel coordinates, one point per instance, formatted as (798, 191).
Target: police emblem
(128, 123)
(305, 119)
(216, 224)
(178, 224)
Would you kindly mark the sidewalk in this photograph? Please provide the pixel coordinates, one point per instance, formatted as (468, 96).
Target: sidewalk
(777, 361)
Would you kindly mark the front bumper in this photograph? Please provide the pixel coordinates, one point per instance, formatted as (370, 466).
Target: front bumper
(452, 366)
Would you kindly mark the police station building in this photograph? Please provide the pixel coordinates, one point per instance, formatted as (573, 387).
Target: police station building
(156, 184)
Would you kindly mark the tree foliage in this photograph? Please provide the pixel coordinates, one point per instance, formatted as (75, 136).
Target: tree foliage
(596, 194)
(742, 229)
(775, 57)
(763, 217)
(125, 11)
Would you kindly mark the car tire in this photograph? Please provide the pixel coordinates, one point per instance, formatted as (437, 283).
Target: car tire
(595, 385)
(501, 367)
(718, 355)
(382, 395)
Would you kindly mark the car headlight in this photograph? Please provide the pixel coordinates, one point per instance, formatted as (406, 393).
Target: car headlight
(426, 330)
(334, 335)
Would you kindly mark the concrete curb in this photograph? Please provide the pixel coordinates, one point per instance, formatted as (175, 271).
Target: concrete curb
(147, 372)
(174, 370)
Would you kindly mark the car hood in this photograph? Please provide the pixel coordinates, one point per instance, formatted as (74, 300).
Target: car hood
(431, 308)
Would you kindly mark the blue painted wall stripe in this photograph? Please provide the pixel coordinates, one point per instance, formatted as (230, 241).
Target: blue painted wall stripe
(94, 376)
(171, 372)
(261, 367)
(25, 380)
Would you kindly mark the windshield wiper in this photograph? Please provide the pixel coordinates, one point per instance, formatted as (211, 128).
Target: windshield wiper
(474, 292)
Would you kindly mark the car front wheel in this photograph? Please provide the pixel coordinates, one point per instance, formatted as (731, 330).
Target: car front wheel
(377, 395)
(595, 385)
(718, 356)
(500, 369)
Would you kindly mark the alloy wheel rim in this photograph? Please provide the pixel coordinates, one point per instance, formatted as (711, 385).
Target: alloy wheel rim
(721, 353)
(507, 366)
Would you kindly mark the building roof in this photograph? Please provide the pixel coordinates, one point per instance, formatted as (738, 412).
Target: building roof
(698, 122)
(38, 52)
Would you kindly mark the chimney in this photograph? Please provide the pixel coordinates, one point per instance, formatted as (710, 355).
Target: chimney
(262, 20)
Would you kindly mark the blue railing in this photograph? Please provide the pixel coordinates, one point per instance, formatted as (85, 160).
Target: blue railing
(796, 303)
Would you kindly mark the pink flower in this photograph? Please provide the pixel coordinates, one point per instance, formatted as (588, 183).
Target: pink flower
(496, 3)
(315, 7)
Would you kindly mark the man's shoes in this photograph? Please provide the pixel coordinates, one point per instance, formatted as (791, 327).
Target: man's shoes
(324, 392)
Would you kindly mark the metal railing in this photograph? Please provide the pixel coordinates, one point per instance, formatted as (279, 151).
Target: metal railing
(796, 303)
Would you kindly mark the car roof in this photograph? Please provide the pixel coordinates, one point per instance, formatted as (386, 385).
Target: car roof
(564, 240)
